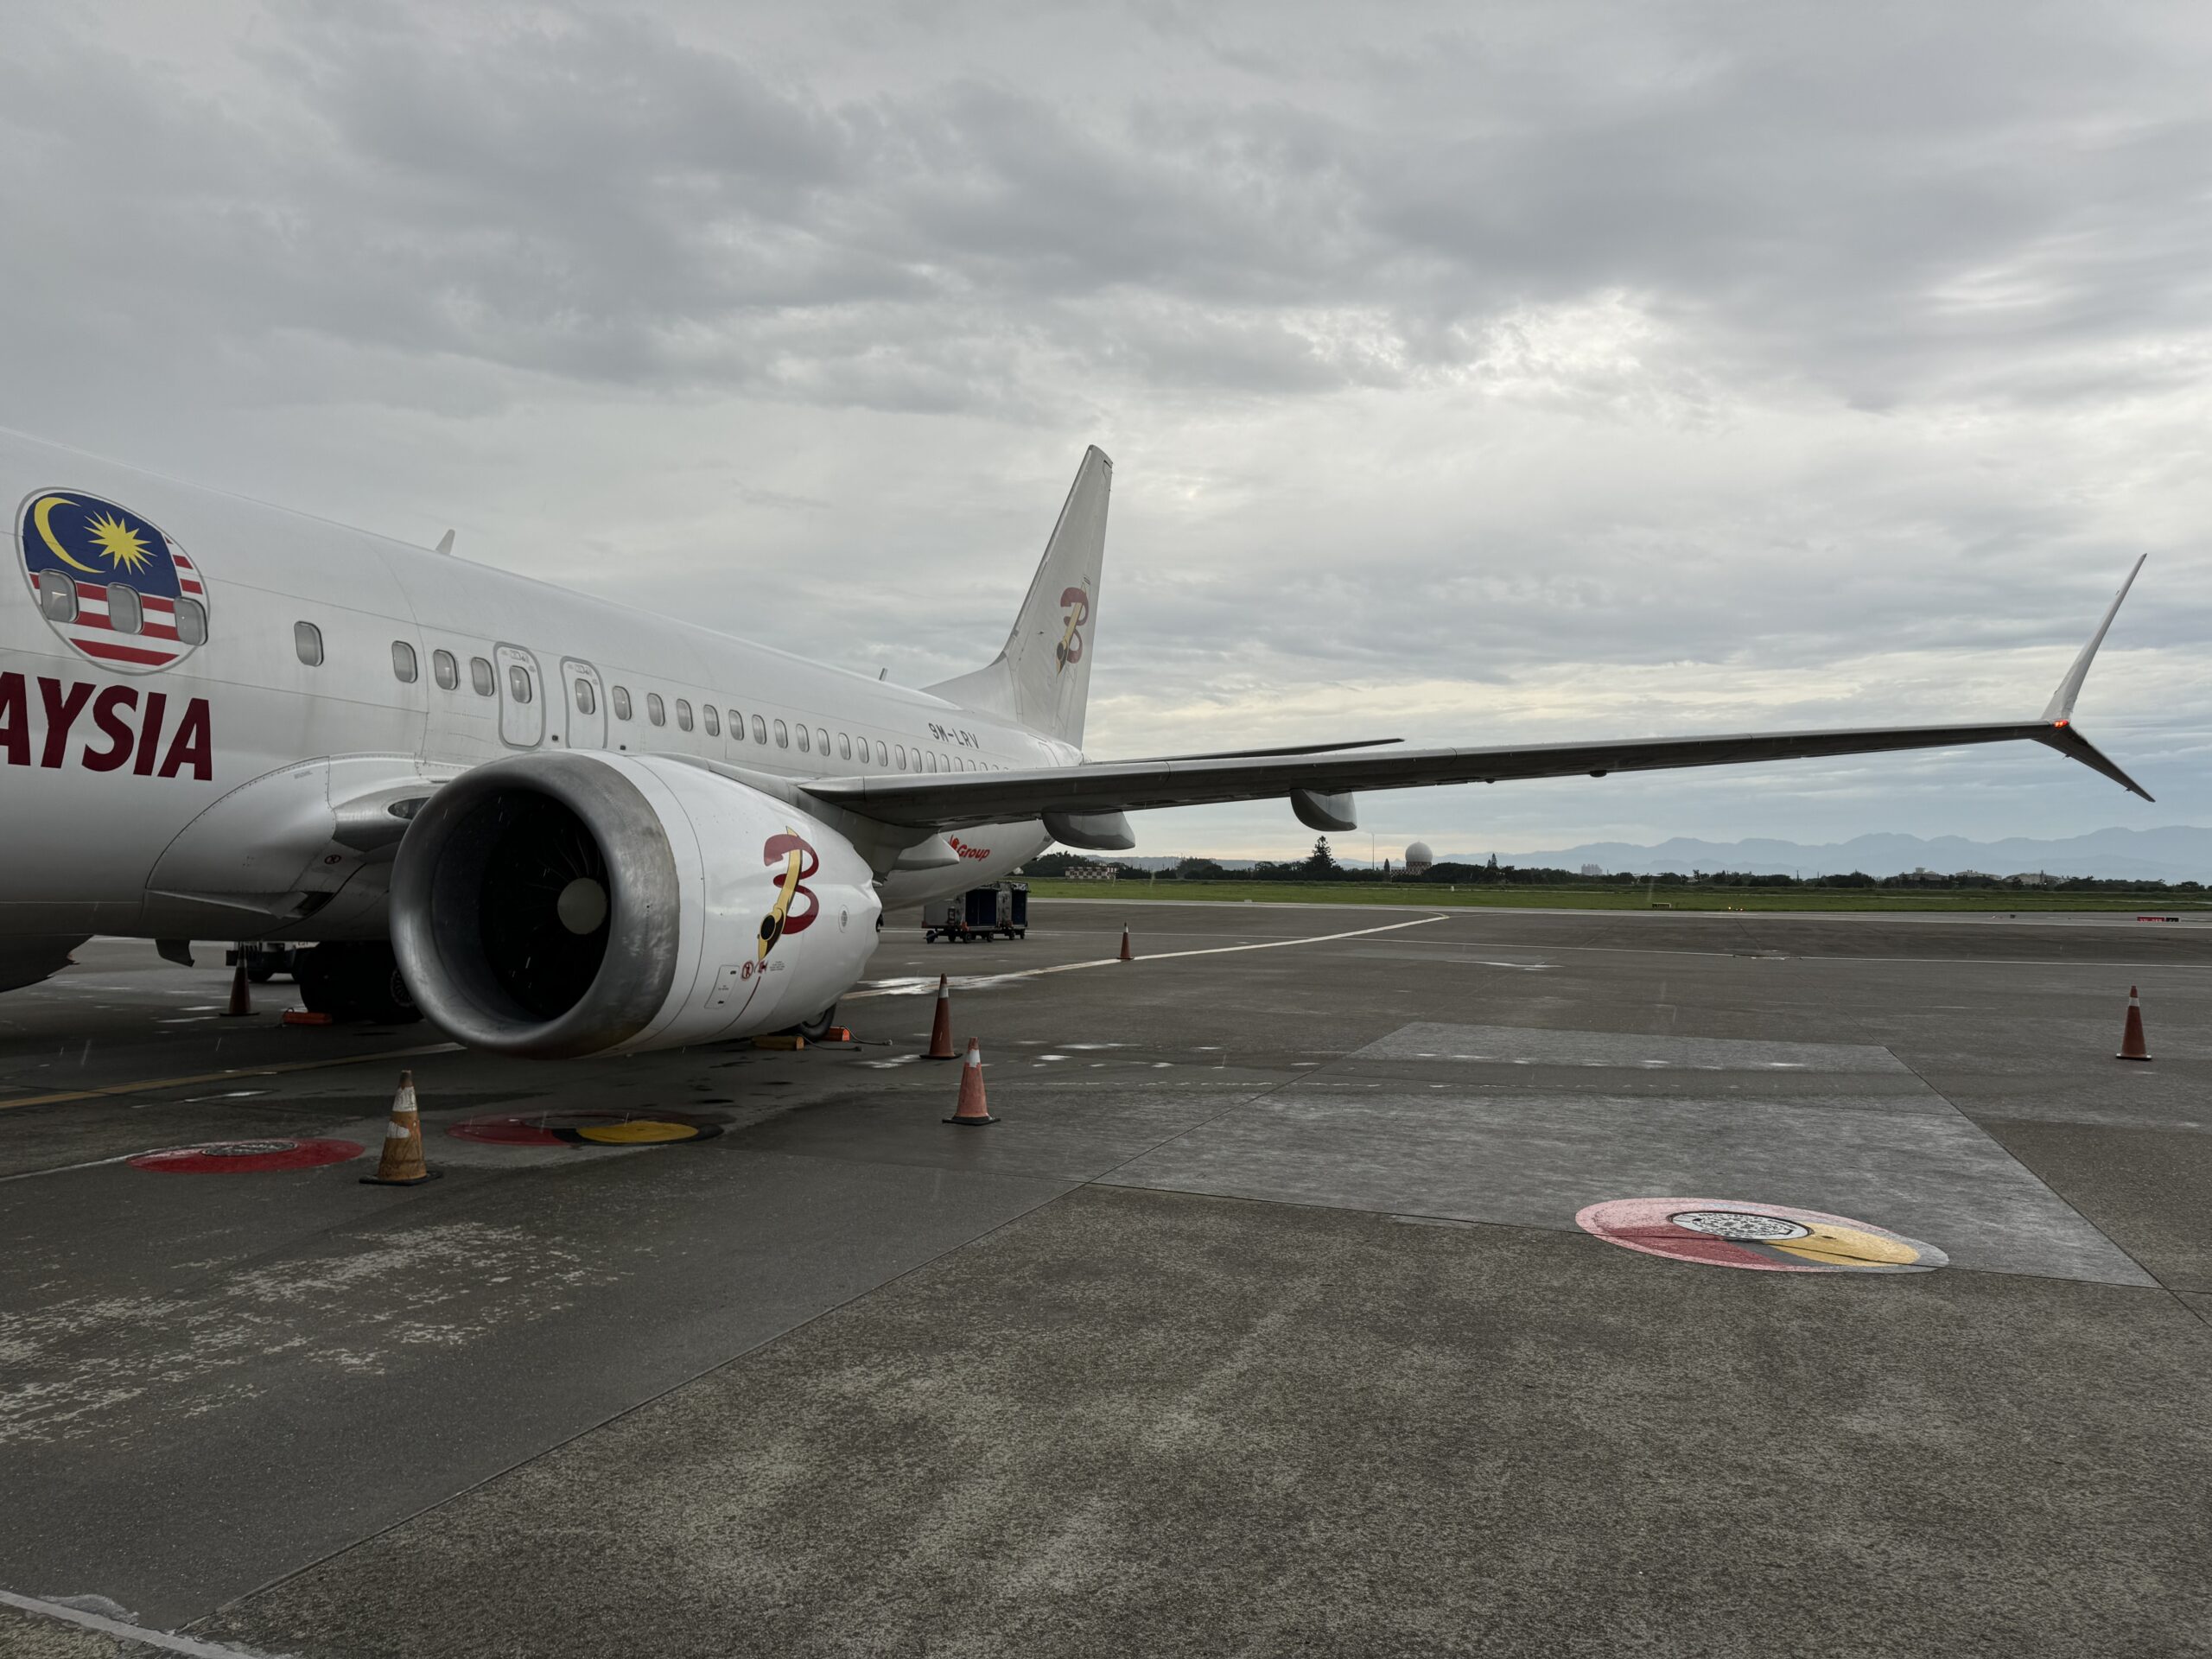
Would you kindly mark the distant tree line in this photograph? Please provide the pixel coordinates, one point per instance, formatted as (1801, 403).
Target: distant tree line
(1321, 865)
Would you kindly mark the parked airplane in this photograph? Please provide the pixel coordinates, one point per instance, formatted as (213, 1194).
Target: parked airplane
(558, 825)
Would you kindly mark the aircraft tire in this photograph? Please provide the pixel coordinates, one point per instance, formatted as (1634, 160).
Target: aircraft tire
(388, 1001)
(350, 980)
(815, 1029)
(316, 974)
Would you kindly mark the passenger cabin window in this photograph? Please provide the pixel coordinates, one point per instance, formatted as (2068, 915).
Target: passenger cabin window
(930, 762)
(57, 595)
(783, 736)
(124, 614)
(898, 754)
(191, 621)
(402, 662)
(736, 727)
(444, 670)
(586, 701)
(480, 676)
(518, 682)
(682, 716)
(760, 729)
(656, 710)
(801, 740)
(713, 720)
(621, 702)
(844, 746)
(821, 740)
(307, 641)
(882, 757)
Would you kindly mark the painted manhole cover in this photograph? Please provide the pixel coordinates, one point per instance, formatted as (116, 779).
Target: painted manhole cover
(1766, 1237)
(587, 1128)
(247, 1157)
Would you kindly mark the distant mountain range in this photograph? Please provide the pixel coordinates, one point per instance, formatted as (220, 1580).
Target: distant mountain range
(2179, 853)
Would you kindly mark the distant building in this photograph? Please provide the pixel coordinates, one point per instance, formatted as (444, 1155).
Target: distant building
(2031, 879)
(1419, 859)
(1923, 876)
(1090, 873)
(1593, 869)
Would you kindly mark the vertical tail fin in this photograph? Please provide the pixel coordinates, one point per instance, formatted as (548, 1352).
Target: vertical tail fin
(1043, 676)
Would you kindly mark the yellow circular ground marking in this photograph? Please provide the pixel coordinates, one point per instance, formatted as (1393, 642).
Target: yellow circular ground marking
(1849, 1247)
(637, 1132)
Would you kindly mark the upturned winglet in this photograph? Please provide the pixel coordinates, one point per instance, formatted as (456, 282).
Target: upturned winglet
(2061, 700)
(2058, 716)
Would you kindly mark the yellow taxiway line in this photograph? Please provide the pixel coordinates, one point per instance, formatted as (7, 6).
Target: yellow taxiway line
(223, 1075)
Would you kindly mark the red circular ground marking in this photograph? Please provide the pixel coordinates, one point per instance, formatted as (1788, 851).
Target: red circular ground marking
(247, 1157)
(1764, 1238)
(572, 1129)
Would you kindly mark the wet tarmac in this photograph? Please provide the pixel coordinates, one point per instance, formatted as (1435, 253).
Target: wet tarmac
(1262, 1324)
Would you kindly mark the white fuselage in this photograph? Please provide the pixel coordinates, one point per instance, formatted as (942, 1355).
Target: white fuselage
(195, 800)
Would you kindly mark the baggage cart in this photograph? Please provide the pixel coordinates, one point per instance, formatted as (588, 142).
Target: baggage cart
(1000, 910)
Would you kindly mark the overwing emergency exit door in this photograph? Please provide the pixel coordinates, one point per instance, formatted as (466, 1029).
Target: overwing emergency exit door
(587, 705)
(522, 697)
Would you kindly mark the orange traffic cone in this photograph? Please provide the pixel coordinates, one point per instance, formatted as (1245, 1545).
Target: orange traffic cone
(1127, 954)
(2131, 1039)
(402, 1164)
(940, 1046)
(972, 1113)
(241, 998)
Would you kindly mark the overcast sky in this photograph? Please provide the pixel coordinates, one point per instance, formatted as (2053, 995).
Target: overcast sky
(1482, 373)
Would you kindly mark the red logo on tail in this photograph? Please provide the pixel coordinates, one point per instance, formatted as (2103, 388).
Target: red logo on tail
(1070, 650)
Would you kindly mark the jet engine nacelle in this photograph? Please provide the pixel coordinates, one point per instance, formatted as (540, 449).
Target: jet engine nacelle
(556, 904)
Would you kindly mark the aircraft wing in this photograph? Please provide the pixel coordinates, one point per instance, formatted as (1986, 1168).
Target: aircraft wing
(958, 800)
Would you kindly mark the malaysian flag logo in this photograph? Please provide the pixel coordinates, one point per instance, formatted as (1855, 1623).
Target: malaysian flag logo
(110, 584)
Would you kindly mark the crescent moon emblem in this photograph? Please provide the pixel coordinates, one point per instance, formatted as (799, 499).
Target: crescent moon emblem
(46, 504)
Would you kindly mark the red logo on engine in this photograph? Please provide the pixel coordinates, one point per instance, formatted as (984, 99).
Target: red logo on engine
(978, 854)
(795, 907)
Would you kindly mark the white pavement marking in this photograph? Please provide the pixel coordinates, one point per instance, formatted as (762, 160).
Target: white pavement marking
(1784, 955)
(981, 981)
(118, 1629)
(63, 1169)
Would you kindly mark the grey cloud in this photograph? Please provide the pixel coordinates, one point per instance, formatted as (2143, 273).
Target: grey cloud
(600, 200)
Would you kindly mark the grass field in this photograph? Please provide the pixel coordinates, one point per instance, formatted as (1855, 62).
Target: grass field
(1975, 899)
